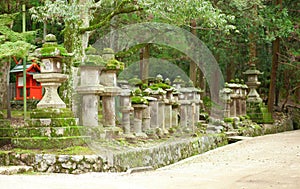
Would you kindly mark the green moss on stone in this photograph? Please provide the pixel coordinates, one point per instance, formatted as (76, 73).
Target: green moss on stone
(51, 113)
(49, 142)
(4, 123)
(229, 119)
(114, 64)
(138, 100)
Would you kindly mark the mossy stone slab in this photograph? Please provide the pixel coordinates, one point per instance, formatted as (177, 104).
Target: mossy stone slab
(49, 142)
(51, 113)
(6, 132)
(4, 123)
(5, 140)
(49, 131)
(52, 122)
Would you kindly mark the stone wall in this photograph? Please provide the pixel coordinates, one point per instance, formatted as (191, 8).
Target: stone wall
(157, 156)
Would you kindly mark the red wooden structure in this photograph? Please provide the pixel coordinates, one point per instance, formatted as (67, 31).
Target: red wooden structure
(33, 88)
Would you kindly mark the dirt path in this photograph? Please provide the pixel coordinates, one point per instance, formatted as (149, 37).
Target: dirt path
(271, 161)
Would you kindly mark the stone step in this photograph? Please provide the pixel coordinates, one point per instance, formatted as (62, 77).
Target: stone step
(6, 132)
(51, 122)
(10, 170)
(4, 141)
(43, 131)
(51, 113)
(232, 139)
(49, 142)
(4, 123)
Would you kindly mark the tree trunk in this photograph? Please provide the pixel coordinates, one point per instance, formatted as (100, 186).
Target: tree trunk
(193, 65)
(230, 71)
(144, 62)
(275, 63)
(8, 90)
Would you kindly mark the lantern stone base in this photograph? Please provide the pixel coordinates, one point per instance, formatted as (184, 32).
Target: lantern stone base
(51, 82)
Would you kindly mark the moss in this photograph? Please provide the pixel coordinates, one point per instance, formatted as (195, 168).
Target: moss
(50, 38)
(51, 113)
(138, 100)
(229, 119)
(114, 64)
(4, 123)
(156, 86)
(94, 60)
(53, 51)
(6, 132)
(51, 122)
(75, 150)
(49, 142)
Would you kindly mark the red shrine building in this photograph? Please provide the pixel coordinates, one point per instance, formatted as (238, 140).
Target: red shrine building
(33, 88)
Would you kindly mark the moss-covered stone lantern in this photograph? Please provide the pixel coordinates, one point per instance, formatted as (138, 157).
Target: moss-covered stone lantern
(253, 83)
(51, 55)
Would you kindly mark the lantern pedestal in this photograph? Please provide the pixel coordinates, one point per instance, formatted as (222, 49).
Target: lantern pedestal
(51, 82)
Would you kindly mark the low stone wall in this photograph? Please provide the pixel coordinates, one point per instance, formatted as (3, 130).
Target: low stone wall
(157, 156)
(264, 129)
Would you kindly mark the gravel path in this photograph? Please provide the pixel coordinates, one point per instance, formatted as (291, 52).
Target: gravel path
(271, 161)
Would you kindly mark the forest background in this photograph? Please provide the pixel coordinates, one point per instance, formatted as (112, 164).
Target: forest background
(238, 33)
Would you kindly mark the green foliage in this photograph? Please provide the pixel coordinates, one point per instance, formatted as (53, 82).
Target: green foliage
(18, 48)
(277, 22)
(182, 12)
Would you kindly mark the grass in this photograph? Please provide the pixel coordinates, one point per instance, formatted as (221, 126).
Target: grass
(16, 113)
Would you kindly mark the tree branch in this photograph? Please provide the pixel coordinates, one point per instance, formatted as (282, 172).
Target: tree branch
(119, 10)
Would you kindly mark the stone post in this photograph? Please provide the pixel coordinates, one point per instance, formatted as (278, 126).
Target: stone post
(148, 113)
(108, 78)
(183, 112)
(125, 108)
(153, 113)
(175, 109)
(161, 114)
(89, 89)
(198, 102)
(239, 100)
(168, 108)
(138, 116)
(244, 97)
(226, 97)
(233, 96)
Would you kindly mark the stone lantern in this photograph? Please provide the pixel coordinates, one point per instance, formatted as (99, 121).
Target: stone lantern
(183, 112)
(51, 56)
(178, 82)
(234, 99)
(227, 99)
(90, 87)
(253, 84)
(108, 79)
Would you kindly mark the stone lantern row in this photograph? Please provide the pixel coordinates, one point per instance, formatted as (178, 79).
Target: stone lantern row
(235, 95)
(163, 109)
